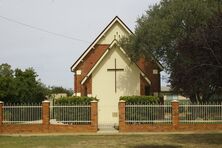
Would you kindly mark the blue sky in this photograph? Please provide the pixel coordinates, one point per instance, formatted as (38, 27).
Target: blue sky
(27, 27)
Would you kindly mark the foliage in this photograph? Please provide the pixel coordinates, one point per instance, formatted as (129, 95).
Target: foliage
(75, 100)
(73, 116)
(168, 29)
(56, 90)
(20, 86)
(6, 82)
(158, 31)
(140, 99)
(201, 55)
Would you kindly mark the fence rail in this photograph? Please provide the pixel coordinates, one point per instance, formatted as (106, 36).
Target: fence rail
(148, 113)
(70, 114)
(22, 114)
(200, 113)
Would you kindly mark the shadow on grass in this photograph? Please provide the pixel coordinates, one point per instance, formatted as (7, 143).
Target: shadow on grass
(156, 146)
(199, 138)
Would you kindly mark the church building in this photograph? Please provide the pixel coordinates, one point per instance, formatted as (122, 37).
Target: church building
(106, 72)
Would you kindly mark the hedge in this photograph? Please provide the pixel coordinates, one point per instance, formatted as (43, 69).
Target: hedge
(140, 99)
(75, 100)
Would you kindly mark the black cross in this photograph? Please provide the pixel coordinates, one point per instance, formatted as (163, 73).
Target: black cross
(115, 70)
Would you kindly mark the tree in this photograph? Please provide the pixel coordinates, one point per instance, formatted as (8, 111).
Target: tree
(164, 29)
(198, 67)
(19, 86)
(5, 70)
(56, 89)
(6, 82)
(28, 88)
(158, 31)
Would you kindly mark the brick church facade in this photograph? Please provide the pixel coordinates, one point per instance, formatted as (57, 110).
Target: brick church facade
(151, 68)
(105, 71)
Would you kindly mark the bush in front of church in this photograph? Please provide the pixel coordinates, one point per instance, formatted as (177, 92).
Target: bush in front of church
(140, 99)
(73, 109)
(75, 100)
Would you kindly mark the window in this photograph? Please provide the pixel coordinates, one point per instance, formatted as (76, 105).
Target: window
(155, 71)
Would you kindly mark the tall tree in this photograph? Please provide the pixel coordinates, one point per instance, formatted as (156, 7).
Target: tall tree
(158, 31)
(167, 25)
(198, 67)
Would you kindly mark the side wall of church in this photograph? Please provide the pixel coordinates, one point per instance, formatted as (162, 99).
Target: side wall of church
(152, 71)
(86, 65)
(143, 84)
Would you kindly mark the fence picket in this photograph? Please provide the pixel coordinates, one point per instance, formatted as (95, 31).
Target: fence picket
(201, 113)
(188, 113)
(70, 114)
(22, 114)
(148, 113)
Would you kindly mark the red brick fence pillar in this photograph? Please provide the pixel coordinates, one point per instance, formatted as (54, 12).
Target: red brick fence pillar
(45, 114)
(175, 113)
(94, 114)
(122, 123)
(1, 115)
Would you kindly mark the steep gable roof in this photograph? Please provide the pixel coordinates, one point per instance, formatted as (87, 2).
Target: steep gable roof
(116, 19)
(92, 46)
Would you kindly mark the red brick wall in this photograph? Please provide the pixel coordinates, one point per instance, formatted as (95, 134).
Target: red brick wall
(38, 128)
(122, 119)
(88, 85)
(147, 67)
(45, 113)
(78, 79)
(158, 127)
(75, 83)
(46, 127)
(88, 62)
(143, 83)
(1, 113)
(94, 115)
(175, 113)
(169, 128)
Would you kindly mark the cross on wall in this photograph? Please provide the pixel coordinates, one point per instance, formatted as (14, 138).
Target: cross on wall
(115, 69)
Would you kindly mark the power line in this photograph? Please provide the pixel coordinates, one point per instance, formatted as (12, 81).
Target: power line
(41, 29)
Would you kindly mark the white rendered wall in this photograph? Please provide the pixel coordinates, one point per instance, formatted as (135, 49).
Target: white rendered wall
(103, 84)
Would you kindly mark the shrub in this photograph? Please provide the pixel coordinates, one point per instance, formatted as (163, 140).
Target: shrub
(140, 99)
(75, 110)
(75, 100)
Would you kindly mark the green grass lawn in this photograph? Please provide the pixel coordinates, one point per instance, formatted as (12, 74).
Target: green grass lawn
(101, 141)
